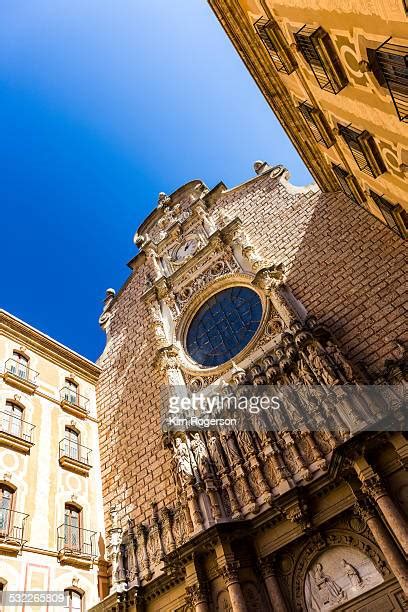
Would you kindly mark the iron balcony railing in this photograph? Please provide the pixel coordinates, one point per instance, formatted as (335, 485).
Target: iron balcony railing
(317, 123)
(13, 425)
(21, 370)
(319, 52)
(276, 45)
(73, 397)
(12, 526)
(73, 450)
(74, 540)
(392, 61)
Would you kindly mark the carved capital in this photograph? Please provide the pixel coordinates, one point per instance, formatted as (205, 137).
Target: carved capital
(230, 573)
(364, 508)
(196, 594)
(374, 487)
(167, 358)
(267, 567)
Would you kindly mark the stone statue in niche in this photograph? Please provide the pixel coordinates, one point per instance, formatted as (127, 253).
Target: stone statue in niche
(339, 574)
(216, 452)
(201, 455)
(182, 457)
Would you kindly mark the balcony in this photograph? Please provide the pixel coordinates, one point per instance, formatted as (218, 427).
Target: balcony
(76, 546)
(316, 121)
(349, 185)
(276, 45)
(75, 457)
(364, 150)
(320, 54)
(19, 375)
(390, 66)
(16, 433)
(12, 529)
(395, 216)
(74, 403)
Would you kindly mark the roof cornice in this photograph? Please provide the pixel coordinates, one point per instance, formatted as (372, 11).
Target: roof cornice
(47, 347)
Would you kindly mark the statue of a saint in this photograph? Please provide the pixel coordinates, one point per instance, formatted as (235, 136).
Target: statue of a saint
(182, 457)
(352, 574)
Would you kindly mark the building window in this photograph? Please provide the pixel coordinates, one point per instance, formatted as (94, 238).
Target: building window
(276, 45)
(364, 150)
(394, 214)
(19, 366)
(73, 601)
(318, 50)
(224, 326)
(72, 527)
(349, 184)
(12, 419)
(317, 122)
(390, 66)
(71, 391)
(6, 508)
(71, 443)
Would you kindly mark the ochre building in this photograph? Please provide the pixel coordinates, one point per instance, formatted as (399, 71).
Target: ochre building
(262, 283)
(335, 72)
(51, 519)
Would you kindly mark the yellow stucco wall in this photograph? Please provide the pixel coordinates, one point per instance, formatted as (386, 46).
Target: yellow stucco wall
(353, 26)
(42, 486)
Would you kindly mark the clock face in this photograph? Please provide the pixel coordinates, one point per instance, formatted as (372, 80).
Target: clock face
(187, 249)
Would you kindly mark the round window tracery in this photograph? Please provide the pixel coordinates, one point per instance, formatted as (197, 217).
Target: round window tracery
(224, 325)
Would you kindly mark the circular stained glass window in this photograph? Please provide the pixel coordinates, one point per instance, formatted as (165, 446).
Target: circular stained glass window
(224, 326)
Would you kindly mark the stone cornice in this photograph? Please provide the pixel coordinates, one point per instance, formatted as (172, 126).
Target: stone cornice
(46, 347)
(239, 30)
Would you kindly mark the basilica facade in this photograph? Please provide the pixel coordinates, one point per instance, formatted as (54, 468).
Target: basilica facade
(264, 283)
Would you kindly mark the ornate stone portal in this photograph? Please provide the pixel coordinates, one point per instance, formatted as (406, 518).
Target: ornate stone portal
(260, 520)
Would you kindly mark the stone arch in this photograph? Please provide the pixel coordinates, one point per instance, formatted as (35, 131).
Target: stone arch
(349, 545)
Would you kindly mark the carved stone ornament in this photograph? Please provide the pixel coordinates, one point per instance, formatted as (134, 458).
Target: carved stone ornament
(339, 575)
(334, 568)
(196, 594)
(230, 573)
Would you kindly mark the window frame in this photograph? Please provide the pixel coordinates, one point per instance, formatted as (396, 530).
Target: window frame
(72, 391)
(13, 418)
(5, 531)
(389, 63)
(317, 123)
(72, 447)
(318, 51)
(68, 541)
(69, 592)
(393, 214)
(349, 185)
(22, 365)
(276, 45)
(364, 150)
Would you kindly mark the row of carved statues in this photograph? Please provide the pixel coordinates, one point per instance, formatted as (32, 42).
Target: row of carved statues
(226, 475)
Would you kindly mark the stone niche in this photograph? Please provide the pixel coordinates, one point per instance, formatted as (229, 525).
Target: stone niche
(337, 576)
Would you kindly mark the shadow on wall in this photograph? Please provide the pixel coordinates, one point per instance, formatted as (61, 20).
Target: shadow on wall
(350, 270)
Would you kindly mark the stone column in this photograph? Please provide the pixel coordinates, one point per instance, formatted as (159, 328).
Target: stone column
(385, 542)
(197, 597)
(230, 574)
(268, 571)
(375, 488)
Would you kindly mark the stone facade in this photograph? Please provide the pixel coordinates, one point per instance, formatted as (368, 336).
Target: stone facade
(49, 467)
(288, 521)
(335, 75)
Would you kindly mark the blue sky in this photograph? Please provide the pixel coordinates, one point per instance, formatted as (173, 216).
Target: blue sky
(104, 103)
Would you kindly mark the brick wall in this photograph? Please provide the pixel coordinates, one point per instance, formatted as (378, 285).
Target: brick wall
(342, 264)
